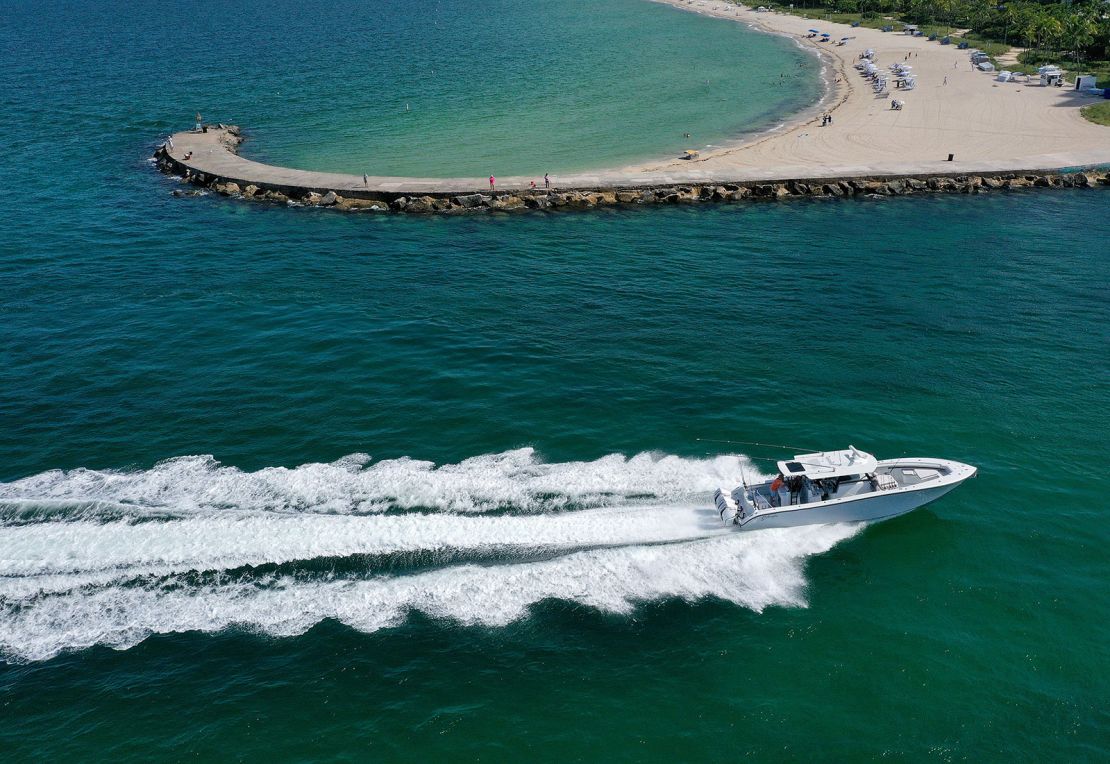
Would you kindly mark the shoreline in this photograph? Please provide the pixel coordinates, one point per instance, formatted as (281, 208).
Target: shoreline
(953, 110)
(957, 123)
(833, 92)
(831, 96)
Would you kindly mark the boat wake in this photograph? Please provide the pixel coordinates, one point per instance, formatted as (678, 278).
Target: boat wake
(108, 557)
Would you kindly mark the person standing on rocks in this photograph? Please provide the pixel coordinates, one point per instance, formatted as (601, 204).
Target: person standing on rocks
(492, 183)
(546, 181)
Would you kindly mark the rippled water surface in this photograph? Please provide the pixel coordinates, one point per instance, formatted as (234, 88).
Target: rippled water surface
(291, 484)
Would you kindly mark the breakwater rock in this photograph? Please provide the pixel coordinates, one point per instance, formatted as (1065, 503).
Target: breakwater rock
(631, 195)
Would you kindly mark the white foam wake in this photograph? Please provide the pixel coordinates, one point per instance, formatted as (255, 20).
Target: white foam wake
(220, 542)
(191, 545)
(514, 479)
(754, 570)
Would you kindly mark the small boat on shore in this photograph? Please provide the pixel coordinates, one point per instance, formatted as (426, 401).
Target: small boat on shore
(846, 486)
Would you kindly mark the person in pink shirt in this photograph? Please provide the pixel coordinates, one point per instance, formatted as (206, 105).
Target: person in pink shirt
(492, 183)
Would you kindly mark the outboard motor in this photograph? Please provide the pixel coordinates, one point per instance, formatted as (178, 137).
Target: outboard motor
(733, 507)
(727, 506)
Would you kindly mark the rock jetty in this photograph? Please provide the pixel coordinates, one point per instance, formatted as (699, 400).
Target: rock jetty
(452, 202)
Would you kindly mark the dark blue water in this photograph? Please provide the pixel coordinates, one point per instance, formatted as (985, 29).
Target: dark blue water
(293, 482)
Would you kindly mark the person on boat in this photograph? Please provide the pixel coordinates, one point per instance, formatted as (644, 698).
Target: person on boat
(776, 486)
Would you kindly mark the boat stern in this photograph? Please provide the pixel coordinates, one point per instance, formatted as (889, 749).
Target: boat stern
(727, 506)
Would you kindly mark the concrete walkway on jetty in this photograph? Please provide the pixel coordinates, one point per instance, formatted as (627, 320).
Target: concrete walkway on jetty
(212, 153)
(989, 127)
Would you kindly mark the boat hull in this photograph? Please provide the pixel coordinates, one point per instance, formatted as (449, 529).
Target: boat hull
(866, 508)
(862, 510)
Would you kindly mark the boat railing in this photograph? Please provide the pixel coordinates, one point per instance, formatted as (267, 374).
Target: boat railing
(760, 502)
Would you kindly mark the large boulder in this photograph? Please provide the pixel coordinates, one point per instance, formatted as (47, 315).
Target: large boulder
(470, 201)
(328, 199)
(507, 203)
(346, 203)
(422, 204)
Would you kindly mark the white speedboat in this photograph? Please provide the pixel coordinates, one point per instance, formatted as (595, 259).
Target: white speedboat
(847, 486)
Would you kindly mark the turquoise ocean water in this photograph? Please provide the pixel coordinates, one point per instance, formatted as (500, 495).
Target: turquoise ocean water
(290, 484)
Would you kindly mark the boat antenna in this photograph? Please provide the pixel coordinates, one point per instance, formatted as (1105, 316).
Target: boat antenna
(755, 443)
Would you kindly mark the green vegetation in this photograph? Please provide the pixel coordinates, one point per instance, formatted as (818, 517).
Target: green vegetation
(1072, 35)
(1099, 113)
(1031, 59)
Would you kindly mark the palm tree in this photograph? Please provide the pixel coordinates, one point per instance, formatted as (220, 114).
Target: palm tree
(1078, 31)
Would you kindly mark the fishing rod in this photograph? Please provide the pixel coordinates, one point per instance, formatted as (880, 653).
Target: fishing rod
(764, 458)
(754, 443)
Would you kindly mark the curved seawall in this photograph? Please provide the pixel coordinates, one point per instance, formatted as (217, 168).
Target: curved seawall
(209, 158)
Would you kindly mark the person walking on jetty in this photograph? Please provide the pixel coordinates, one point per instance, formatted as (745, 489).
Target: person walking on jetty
(492, 183)
(365, 180)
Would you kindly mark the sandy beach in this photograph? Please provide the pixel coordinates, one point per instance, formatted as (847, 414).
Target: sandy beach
(954, 108)
(986, 125)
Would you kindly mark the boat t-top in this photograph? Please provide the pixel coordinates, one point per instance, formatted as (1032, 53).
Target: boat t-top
(846, 486)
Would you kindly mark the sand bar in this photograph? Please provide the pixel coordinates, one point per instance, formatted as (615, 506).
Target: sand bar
(988, 126)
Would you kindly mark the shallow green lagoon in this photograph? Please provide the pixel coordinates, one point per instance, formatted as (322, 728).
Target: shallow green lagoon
(438, 88)
(289, 484)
